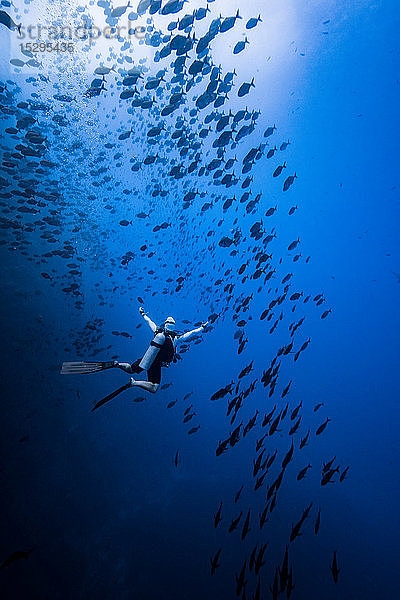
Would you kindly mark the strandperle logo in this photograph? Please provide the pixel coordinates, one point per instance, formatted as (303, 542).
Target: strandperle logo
(85, 32)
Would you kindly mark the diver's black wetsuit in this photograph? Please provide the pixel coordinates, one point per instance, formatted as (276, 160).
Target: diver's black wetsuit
(163, 358)
(153, 374)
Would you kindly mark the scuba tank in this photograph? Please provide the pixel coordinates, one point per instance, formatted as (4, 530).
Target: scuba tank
(152, 351)
(162, 342)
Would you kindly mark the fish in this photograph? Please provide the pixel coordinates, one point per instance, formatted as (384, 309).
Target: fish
(217, 517)
(289, 182)
(259, 562)
(274, 425)
(343, 474)
(322, 426)
(295, 427)
(246, 526)
(251, 23)
(194, 429)
(234, 437)
(238, 493)
(296, 295)
(269, 131)
(171, 7)
(222, 447)
(214, 561)
(225, 242)
(296, 528)
(200, 13)
(328, 465)
(221, 393)
(260, 480)
(279, 170)
(289, 586)
(166, 386)
(295, 411)
(327, 477)
(263, 516)
(5, 19)
(246, 370)
(240, 46)
(293, 244)
(229, 22)
(245, 88)
(286, 389)
(143, 6)
(317, 523)
(240, 580)
(271, 211)
(303, 472)
(284, 571)
(268, 417)
(234, 523)
(334, 568)
(118, 11)
(274, 589)
(15, 556)
(288, 457)
(252, 558)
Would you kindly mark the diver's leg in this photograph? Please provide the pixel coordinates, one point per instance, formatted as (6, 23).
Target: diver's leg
(145, 385)
(130, 368)
(154, 378)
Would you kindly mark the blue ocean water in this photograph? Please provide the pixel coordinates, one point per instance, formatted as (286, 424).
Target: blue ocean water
(96, 496)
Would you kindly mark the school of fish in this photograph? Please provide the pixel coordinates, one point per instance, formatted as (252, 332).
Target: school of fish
(178, 134)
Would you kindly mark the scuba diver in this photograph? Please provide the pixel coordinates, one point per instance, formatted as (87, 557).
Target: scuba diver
(160, 353)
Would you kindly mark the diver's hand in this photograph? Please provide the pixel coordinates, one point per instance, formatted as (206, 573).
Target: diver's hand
(204, 325)
(141, 310)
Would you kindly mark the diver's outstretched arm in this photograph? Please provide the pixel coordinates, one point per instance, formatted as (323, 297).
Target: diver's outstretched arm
(189, 334)
(150, 323)
(145, 385)
(124, 367)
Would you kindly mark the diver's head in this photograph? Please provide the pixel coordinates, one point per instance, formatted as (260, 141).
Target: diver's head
(169, 324)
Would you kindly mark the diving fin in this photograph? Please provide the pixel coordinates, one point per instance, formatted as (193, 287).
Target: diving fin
(111, 396)
(83, 368)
